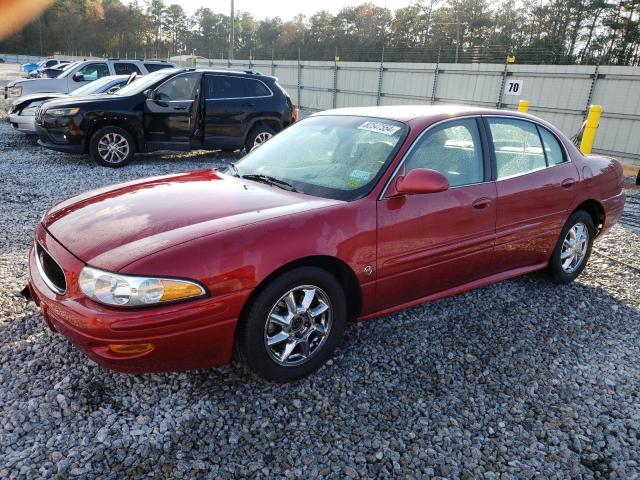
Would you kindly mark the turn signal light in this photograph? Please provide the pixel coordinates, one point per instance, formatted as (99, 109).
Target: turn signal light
(176, 290)
(130, 349)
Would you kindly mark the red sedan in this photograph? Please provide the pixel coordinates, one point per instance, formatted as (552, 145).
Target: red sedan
(349, 214)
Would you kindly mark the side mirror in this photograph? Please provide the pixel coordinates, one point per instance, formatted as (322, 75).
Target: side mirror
(421, 180)
(150, 94)
(78, 77)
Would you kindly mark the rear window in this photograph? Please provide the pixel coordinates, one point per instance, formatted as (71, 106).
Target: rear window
(154, 67)
(126, 68)
(223, 86)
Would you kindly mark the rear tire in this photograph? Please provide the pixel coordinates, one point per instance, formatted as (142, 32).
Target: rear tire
(257, 136)
(573, 249)
(294, 324)
(112, 147)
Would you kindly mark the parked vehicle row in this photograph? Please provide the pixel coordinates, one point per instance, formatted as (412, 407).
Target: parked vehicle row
(171, 109)
(23, 109)
(348, 214)
(81, 73)
(45, 65)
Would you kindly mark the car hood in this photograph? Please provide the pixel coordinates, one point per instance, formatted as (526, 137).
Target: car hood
(111, 227)
(26, 99)
(75, 100)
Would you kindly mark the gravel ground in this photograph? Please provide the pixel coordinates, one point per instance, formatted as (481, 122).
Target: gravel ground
(523, 379)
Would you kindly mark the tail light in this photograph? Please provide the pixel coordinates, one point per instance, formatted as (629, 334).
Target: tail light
(296, 110)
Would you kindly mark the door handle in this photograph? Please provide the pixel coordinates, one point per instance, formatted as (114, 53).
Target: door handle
(180, 108)
(568, 182)
(483, 202)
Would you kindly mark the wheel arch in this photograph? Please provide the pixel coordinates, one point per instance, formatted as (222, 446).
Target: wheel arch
(106, 122)
(595, 210)
(271, 122)
(336, 267)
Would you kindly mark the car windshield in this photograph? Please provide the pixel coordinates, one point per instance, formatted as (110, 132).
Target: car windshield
(145, 82)
(93, 87)
(339, 157)
(67, 69)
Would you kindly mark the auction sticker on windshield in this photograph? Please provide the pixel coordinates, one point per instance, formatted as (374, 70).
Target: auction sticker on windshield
(379, 127)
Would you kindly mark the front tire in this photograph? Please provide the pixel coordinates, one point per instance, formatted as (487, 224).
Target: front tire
(112, 147)
(293, 325)
(573, 248)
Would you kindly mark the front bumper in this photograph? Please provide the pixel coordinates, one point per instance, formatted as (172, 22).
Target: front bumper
(45, 139)
(24, 124)
(185, 335)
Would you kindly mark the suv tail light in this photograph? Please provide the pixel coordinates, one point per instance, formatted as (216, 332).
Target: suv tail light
(295, 114)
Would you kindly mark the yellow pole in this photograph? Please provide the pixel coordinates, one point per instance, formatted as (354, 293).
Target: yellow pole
(590, 127)
(523, 106)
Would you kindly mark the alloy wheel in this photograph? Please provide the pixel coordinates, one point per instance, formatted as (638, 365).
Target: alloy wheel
(298, 325)
(574, 247)
(113, 148)
(261, 138)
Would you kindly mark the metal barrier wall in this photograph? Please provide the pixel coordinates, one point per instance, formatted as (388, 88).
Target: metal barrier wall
(560, 94)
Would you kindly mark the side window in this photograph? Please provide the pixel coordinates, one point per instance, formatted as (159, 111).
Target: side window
(50, 63)
(551, 147)
(517, 146)
(154, 67)
(254, 88)
(94, 71)
(126, 68)
(221, 86)
(453, 149)
(180, 87)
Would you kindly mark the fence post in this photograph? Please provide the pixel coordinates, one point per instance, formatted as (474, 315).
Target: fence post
(594, 79)
(503, 82)
(250, 59)
(436, 72)
(523, 106)
(299, 77)
(335, 79)
(380, 72)
(273, 65)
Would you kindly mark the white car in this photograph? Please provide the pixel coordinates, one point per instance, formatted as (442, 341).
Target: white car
(23, 110)
(81, 74)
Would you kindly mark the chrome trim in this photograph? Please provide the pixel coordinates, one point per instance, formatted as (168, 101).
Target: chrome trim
(43, 275)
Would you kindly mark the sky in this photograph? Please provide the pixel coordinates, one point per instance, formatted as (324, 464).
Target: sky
(286, 10)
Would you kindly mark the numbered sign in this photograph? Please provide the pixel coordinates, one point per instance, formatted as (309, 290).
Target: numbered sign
(513, 87)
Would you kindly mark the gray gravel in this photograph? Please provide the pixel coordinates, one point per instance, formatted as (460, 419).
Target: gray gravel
(523, 379)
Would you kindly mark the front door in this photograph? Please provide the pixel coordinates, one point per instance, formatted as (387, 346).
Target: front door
(171, 115)
(432, 242)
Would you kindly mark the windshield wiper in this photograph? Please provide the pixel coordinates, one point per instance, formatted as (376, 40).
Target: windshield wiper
(258, 177)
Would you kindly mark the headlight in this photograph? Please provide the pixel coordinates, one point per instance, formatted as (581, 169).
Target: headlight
(62, 112)
(129, 291)
(15, 91)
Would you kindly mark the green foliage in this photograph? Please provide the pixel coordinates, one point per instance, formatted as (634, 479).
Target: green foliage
(541, 31)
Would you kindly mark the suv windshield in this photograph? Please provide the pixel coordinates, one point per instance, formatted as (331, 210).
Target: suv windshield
(339, 157)
(142, 83)
(92, 87)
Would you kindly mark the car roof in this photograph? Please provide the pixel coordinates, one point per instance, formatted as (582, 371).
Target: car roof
(406, 113)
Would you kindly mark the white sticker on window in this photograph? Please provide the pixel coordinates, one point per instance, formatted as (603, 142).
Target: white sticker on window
(360, 174)
(379, 127)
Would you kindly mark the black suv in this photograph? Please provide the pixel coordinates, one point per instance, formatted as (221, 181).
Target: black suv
(171, 109)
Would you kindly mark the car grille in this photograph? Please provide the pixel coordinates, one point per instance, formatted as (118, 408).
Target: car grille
(50, 271)
(39, 116)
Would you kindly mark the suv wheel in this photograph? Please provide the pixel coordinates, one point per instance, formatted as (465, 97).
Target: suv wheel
(257, 136)
(573, 248)
(293, 325)
(112, 146)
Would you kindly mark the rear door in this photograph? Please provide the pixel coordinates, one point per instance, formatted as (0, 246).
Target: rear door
(171, 116)
(230, 104)
(536, 186)
(432, 242)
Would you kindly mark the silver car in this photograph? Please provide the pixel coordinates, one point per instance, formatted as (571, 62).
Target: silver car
(81, 74)
(23, 109)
